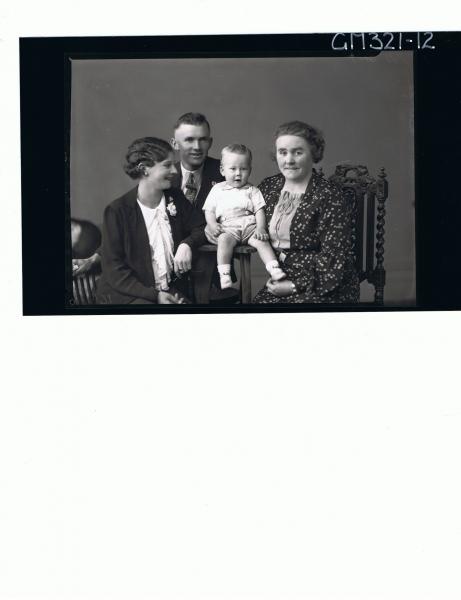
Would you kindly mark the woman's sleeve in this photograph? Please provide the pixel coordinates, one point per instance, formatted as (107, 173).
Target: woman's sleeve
(324, 270)
(116, 271)
(194, 225)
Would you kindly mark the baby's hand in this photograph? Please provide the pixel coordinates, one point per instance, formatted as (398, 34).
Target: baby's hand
(261, 234)
(215, 229)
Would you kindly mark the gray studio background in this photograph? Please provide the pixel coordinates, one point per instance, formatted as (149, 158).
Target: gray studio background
(364, 106)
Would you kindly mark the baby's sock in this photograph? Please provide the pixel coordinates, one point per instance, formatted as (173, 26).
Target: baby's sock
(224, 269)
(224, 276)
(275, 271)
(272, 264)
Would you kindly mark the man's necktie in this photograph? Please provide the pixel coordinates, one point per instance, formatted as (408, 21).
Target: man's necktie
(191, 189)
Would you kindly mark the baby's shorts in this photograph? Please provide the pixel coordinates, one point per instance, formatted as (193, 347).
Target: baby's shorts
(241, 228)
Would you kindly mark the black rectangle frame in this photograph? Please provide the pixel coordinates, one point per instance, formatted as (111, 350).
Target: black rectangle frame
(45, 86)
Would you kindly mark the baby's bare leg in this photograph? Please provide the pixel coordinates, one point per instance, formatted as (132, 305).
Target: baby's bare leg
(226, 245)
(264, 249)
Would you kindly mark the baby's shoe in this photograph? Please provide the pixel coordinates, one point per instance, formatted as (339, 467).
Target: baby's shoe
(276, 273)
(226, 280)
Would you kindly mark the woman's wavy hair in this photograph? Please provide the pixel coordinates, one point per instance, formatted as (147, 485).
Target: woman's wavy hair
(145, 152)
(312, 135)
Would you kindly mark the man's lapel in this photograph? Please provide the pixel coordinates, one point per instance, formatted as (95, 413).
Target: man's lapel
(207, 183)
(177, 179)
(207, 174)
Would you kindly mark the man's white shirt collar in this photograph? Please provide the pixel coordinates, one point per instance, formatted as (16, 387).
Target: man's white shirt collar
(197, 173)
(227, 186)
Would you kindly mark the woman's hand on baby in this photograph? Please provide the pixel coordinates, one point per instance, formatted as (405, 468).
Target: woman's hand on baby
(280, 288)
(261, 235)
(167, 298)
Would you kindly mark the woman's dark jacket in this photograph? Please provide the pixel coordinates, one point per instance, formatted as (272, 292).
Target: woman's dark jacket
(127, 272)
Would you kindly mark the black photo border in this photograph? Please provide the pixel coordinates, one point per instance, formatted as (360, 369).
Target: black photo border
(45, 94)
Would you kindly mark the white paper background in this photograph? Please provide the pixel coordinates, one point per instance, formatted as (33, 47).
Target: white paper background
(239, 456)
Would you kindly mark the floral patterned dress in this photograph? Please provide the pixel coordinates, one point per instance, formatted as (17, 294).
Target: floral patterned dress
(319, 260)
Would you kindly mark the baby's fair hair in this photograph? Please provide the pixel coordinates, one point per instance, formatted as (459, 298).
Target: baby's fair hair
(236, 149)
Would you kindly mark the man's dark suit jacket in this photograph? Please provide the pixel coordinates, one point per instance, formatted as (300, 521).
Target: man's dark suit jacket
(210, 175)
(127, 272)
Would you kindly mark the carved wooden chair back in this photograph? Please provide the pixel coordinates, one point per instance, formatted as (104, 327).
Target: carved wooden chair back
(367, 197)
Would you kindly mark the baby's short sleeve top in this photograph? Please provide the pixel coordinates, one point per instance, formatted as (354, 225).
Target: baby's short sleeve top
(224, 198)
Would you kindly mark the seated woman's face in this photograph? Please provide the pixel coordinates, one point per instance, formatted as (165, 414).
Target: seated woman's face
(294, 157)
(162, 173)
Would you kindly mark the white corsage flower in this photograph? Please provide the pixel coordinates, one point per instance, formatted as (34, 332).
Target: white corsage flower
(171, 208)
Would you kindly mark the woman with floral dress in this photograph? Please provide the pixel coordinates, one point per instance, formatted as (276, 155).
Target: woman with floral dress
(149, 233)
(309, 225)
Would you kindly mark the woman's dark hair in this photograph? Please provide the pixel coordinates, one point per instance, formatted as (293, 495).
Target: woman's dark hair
(86, 238)
(313, 137)
(145, 152)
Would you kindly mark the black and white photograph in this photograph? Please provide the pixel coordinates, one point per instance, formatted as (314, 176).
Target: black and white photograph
(321, 150)
(243, 173)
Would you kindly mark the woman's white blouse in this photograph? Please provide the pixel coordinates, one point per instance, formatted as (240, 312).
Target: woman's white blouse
(160, 242)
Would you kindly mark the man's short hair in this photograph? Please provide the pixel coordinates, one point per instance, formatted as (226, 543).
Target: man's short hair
(192, 118)
(236, 149)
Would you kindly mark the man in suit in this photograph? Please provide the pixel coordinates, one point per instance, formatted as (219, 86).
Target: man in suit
(197, 172)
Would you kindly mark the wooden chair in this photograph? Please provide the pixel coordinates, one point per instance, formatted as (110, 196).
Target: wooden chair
(203, 277)
(367, 197)
(84, 289)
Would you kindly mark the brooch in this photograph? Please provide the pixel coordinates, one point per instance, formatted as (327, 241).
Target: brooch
(171, 208)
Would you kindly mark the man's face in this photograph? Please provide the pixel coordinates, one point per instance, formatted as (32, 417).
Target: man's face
(192, 142)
